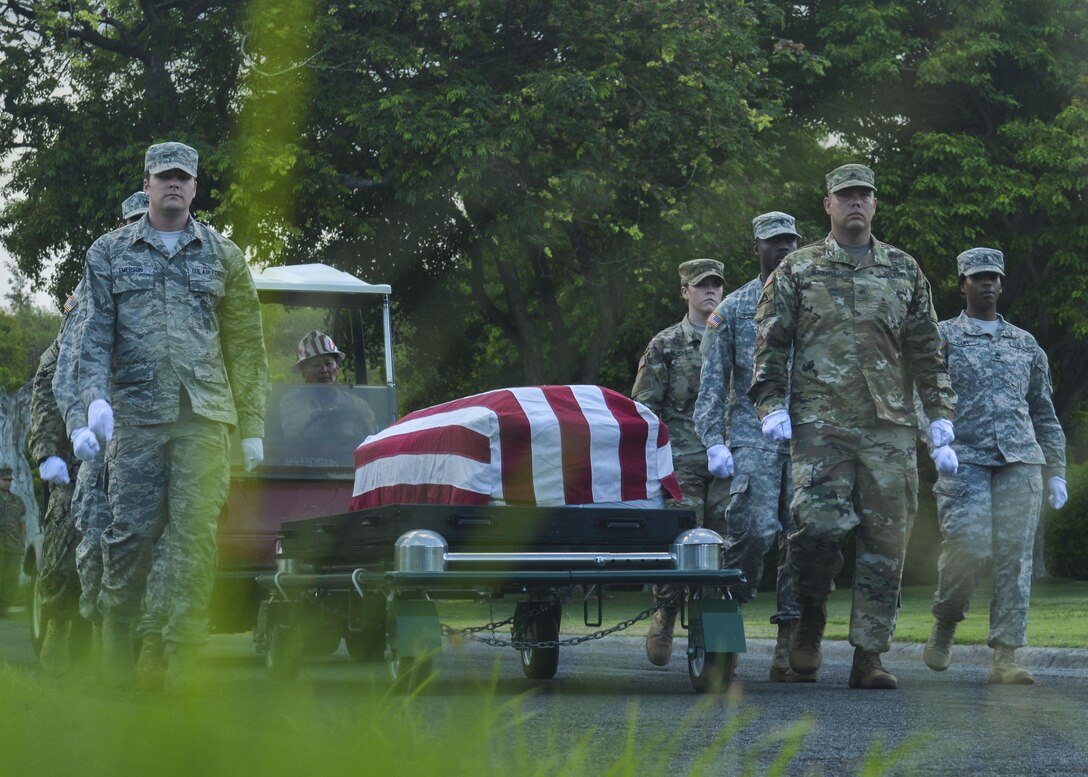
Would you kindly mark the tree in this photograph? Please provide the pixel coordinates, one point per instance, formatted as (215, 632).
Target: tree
(975, 117)
(525, 173)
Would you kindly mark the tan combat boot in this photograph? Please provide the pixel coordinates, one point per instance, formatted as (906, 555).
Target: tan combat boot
(869, 674)
(183, 670)
(1005, 670)
(118, 653)
(781, 671)
(938, 650)
(659, 637)
(151, 665)
(54, 656)
(805, 653)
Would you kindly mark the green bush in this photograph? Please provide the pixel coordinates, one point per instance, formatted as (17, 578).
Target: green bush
(1066, 538)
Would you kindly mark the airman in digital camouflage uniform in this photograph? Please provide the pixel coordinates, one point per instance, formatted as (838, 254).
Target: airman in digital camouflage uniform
(759, 512)
(12, 540)
(1008, 442)
(58, 581)
(668, 383)
(89, 506)
(169, 345)
(857, 314)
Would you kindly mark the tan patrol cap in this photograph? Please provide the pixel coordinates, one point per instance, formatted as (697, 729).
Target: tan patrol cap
(695, 270)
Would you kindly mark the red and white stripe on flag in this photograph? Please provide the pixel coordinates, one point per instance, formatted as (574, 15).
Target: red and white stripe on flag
(540, 445)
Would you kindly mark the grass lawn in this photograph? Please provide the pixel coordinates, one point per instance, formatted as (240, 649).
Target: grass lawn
(1058, 615)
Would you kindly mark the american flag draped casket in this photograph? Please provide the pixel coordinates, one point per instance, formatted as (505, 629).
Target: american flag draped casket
(537, 445)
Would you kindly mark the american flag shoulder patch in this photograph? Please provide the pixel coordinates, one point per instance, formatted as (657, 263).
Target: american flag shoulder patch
(70, 303)
(714, 320)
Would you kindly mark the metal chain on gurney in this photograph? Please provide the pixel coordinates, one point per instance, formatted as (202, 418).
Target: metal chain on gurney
(470, 632)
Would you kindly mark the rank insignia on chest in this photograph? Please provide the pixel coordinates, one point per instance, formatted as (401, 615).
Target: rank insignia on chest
(70, 304)
(714, 320)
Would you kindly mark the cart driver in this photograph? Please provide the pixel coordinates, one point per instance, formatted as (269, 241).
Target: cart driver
(327, 420)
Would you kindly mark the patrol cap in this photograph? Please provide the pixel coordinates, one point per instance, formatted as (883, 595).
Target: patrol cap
(773, 224)
(5, 473)
(134, 205)
(170, 156)
(976, 260)
(694, 270)
(316, 343)
(850, 175)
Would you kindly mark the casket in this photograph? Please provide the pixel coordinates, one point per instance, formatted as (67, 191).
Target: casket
(537, 445)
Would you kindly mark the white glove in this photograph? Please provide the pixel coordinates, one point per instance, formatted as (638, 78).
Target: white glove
(100, 419)
(946, 460)
(252, 452)
(719, 461)
(1058, 492)
(54, 470)
(777, 427)
(84, 444)
(940, 433)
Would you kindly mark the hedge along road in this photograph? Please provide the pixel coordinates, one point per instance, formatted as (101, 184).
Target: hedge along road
(951, 723)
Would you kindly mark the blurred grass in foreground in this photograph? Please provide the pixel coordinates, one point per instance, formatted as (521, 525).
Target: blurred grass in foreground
(56, 729)
(1058, 616)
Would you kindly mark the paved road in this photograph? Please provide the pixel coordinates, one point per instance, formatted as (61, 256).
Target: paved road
(956, 721)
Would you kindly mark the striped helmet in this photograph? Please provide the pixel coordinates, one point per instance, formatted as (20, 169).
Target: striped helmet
(316, 343)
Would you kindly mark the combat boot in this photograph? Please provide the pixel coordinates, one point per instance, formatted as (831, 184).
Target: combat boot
(659, 637)
(805, 653)
(1005, 670)
(869, 674)
(781, 671)
(151, 665)
(53, 655)
(118, 653)
(938, 650)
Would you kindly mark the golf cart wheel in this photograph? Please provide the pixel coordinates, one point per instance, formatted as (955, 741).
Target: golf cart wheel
(711, 672)
(36, 621)
(536, 662)
(366, 644)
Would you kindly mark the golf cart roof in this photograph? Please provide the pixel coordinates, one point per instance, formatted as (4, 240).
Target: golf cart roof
(314, 284)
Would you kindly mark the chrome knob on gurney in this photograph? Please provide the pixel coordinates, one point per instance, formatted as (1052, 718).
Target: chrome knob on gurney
(698, 549)
(420, 550)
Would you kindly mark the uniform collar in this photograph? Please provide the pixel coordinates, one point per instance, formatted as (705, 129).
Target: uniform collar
(691, 334)
(878, 254)
(969, 327)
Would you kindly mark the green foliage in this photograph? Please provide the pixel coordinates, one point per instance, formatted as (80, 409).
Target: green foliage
(1066, 535)
(24, 336)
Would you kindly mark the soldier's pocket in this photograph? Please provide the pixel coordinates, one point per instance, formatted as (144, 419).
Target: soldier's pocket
(802, 476)
(132, 385)
(950, 493)
(739, 512)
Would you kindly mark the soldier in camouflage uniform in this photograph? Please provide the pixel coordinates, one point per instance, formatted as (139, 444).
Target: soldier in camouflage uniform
(725, 419)
(668, 383)
(58, 582)
(857, 314)
(12, 540)
(1008, 442)
(169, 339)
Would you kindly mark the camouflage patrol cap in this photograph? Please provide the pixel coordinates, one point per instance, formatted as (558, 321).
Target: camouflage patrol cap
(694, 270)
(850, 175)
(170, 156)
(134, 205)
(5, 473)
(773, 224)
(976, 260)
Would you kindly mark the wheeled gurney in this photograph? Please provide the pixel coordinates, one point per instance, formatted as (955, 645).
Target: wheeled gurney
(373, 577)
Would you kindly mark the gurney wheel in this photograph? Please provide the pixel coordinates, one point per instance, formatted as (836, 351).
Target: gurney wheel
(408, 672)
(365, 644)
(283, 657)
(541, 663)
(711, 672)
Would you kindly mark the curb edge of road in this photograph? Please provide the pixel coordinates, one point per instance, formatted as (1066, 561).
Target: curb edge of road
(972, 655)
